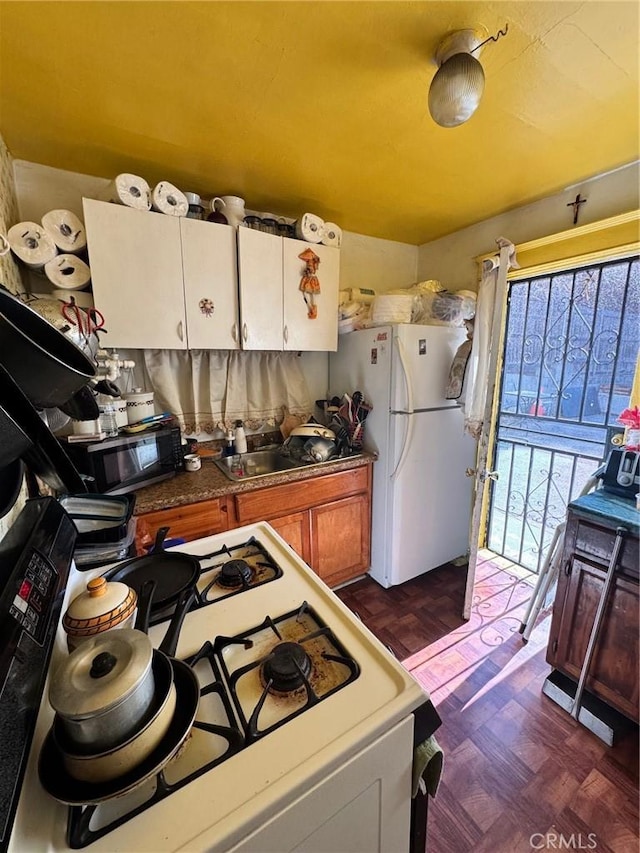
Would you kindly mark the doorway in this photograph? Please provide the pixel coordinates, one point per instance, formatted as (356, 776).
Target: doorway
(571, 344)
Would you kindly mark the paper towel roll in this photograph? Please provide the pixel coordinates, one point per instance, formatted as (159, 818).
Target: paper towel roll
(130, 190)
(68, 272)
(66, 230)
(31, 243)
(168, 199)
(331, 235)
(309, 228)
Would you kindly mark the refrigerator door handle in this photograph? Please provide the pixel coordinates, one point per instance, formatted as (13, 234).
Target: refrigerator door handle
(408, 438)
(406, 373)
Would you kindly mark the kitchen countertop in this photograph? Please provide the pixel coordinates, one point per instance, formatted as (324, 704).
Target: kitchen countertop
(601, 505)
(209, 482)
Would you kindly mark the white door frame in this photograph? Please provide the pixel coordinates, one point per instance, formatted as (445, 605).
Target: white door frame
(482, 475)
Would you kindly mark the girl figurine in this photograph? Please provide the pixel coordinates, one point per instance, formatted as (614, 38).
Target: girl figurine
(309, 284)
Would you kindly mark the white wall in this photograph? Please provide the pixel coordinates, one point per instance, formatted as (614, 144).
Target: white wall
(451, 259)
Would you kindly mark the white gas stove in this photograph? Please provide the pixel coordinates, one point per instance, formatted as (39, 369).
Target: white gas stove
(304, 732)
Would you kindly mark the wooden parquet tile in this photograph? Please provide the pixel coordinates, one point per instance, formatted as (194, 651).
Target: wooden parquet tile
(519, 774)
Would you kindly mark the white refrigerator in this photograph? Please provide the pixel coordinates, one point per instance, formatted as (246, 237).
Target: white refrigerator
(421, 494)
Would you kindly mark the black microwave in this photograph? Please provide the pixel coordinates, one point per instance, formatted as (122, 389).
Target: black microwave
(119, 465)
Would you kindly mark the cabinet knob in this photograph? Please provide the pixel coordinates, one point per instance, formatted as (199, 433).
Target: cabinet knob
(245, 333)
(180, 330)
(234, 332)
(285, 334)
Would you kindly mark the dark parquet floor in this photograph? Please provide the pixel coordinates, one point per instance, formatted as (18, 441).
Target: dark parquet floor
(519, 773)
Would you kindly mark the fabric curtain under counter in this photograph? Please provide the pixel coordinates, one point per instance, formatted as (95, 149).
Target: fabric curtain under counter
(211, 389)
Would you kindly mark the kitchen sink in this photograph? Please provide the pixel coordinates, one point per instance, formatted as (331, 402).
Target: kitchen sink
(259, 463)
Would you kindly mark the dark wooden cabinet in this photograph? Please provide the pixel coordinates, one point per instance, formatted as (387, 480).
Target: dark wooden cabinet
(613, 674)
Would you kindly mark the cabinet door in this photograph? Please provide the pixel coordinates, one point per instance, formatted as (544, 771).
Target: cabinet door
(294, 529)
(136, 274)
(613, 670)
(210, 269)
(260, 273)
(300, 332)
(340, 539)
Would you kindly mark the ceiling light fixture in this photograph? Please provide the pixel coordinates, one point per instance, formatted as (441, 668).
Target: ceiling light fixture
(458, 84)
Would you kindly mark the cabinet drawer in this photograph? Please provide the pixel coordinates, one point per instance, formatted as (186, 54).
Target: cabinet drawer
(191, 521)
(293, 497)
(596, 543)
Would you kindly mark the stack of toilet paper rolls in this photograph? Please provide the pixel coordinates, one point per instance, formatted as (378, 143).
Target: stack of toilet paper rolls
(133, 191)
(53, 247)
(313, 229)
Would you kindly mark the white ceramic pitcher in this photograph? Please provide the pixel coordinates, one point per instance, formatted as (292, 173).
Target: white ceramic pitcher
(232, 206)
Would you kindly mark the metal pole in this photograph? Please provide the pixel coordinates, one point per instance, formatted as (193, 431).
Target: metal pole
(621, 532)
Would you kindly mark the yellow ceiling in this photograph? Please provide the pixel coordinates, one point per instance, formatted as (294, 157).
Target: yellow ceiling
(321, 106)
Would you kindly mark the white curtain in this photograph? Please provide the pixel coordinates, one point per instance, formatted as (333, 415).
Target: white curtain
(210, 389)
(486, 331)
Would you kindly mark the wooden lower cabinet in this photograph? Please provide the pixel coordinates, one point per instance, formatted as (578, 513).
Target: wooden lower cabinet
(340, 539)
(325, 519)
(191, 521)
(613, 674)
(294, 529)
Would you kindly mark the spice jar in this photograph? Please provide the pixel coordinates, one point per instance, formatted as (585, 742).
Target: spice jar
(196, 210)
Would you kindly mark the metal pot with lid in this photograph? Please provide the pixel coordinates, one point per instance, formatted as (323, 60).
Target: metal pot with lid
(102, 606)
(104, 689)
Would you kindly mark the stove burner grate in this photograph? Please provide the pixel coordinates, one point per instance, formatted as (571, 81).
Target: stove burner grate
(286, 668)
(235, 573)
(315, 643)
(229, 571)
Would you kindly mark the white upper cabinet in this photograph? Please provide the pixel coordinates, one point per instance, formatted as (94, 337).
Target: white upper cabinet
(301, 332)
(136, 275)
(260, 267)
(164, 282)
(273, 309)
(210, 284)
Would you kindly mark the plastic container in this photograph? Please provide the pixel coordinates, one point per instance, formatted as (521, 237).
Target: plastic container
(229, 448)
(392, 308)
(108, 419)
(99, 519)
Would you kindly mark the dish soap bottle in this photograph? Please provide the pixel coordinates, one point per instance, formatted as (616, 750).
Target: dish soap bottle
(229, 448)
(240, 438)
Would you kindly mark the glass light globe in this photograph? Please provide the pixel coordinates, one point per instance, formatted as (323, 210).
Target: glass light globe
(456, 90)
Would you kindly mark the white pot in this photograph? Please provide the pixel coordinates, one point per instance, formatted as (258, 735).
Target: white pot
(139, 406)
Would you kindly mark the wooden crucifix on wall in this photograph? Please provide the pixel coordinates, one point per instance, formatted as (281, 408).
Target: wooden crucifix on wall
(576, 207)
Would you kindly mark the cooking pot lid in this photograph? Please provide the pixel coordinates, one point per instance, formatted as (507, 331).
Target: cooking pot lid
(100, 674)
(101, 606)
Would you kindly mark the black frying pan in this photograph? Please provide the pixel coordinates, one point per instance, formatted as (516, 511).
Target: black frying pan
(43, 454)
(172, 571)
